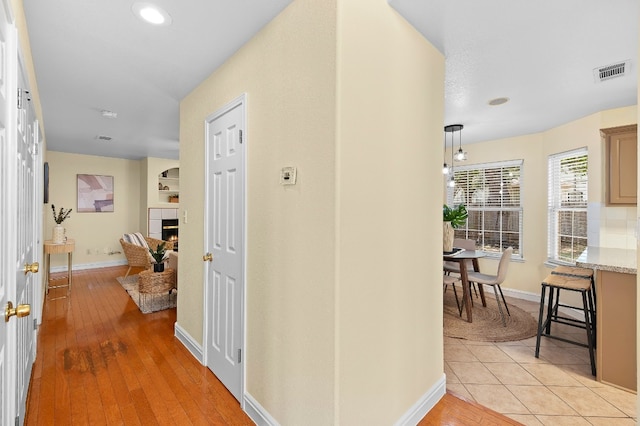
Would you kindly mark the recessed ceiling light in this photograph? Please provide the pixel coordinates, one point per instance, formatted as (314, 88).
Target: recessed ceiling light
(109, 114)
(151, 13)
(498, 101)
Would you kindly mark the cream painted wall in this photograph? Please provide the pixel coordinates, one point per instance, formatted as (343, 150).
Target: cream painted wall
(25, 47)
(534, 150)
(288, 74)
(339, 329)
(389, 264)
(93, 231)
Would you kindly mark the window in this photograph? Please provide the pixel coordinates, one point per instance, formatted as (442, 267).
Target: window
(491, 193)
(567, 237)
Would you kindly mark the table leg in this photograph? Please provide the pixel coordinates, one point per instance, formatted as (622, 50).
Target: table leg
(465, 290)
(47, 271)
(476, 267)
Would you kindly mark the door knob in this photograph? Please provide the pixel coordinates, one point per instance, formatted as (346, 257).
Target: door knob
(33, 268)
(208, 257)
(19, 311)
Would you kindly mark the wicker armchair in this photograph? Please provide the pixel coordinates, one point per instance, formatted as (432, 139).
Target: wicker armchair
(138, 256)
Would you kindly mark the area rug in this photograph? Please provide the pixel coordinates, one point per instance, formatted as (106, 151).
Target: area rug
(487, 324)
(148, 302)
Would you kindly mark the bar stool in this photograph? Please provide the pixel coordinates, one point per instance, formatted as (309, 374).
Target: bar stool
(574, 271)
(555, 283)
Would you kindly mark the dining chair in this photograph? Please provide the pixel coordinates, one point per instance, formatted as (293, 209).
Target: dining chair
(451, 280)
(495, 280)
(454, 267)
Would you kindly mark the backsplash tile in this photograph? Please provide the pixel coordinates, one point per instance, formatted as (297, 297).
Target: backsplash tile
(612, 227)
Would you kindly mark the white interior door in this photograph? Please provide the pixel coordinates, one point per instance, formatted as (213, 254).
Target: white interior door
(17, 220)
(26, 241)
(224, 227)
(8, 192)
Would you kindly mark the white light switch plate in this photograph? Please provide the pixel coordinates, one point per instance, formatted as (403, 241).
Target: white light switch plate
(288, 176)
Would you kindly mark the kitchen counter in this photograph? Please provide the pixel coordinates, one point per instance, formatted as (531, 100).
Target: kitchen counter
(615, 281)
(623, 261)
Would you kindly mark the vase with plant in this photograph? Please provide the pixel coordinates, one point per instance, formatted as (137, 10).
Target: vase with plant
(158, 255)
(58, 229)
(452, 218)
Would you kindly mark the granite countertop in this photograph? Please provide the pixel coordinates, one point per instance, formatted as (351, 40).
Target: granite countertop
(609, 259)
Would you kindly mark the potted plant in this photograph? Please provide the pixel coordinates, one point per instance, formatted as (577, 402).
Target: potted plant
(158, 256)
(452, 218)
(58, 230)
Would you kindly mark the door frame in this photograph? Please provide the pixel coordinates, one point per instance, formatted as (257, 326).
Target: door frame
(241, 102)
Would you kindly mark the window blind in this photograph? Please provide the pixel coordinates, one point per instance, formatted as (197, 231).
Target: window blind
(491, 193)
(567, 205)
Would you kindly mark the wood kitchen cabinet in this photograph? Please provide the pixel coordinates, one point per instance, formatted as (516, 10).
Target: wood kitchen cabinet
(621, 147)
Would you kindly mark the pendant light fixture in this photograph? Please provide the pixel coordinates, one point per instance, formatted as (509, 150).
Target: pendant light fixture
(460, 155)
(445, 167)
(452, 128)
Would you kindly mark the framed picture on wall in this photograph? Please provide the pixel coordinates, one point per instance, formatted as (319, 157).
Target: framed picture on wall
(95, 193)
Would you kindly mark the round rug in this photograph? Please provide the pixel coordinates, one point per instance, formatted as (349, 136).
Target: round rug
(487, 324)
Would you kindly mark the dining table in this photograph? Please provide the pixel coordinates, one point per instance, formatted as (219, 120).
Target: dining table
(461, 258)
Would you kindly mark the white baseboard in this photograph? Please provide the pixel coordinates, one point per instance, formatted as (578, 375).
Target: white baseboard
(257, 413)
(424, 404)
(189, 343)
(413, 416)
(93, 265)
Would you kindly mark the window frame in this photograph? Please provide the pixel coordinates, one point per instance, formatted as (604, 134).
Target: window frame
(554, 204)
(518, 254)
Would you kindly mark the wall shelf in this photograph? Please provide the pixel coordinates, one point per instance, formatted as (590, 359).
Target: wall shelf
(168, 185)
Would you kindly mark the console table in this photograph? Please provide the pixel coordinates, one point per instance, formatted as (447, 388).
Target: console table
(58, 248)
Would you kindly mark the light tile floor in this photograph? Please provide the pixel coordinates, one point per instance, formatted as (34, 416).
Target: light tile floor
(555, 389)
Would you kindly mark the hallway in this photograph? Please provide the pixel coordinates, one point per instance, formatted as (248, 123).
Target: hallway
(101, 361)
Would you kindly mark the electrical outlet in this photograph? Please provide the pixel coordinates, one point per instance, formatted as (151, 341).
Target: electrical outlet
(88, 251)
(106, 250)
(97, 251)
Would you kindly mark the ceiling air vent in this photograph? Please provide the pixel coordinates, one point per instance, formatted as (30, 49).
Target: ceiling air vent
(608, 72)
(103, 138)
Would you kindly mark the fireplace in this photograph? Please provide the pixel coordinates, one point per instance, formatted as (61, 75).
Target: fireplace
(170, 231)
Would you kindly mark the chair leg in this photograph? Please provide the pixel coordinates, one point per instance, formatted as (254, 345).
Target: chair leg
(504, 323)
(505, 302)
(540, 323)
(588, 327)
(592, 309)
(127, 274)
(550, 310)
(455, 293)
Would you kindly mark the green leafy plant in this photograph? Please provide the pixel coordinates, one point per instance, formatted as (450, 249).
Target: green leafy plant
(61, 215)
(456, 215)
(158, 254)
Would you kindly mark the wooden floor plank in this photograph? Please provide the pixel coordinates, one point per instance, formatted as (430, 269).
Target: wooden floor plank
(101, 361)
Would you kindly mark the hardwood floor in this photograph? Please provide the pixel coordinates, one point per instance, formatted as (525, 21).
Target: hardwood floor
(454, 411)
(100, 361)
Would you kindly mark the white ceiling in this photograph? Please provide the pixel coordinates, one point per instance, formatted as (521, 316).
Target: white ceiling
(93, 55)
(540, 54)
